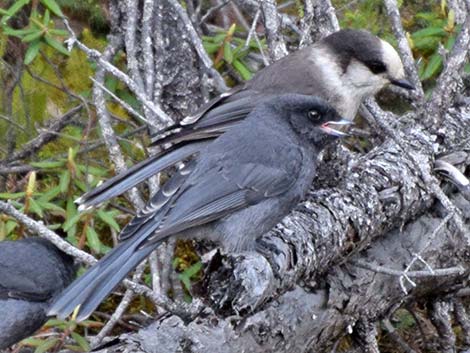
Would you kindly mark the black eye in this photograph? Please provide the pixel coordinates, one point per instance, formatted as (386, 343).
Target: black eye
(376, 66)
(314, 116)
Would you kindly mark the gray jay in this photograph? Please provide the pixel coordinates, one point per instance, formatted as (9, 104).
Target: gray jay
(32, 272)
(344, 68)
(236, 189)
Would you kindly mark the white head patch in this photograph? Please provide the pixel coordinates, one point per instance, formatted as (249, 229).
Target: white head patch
(392, 61)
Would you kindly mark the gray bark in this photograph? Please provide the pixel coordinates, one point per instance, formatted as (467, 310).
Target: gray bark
(308, 289)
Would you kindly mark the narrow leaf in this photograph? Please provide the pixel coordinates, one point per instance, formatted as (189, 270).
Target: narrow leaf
(47, 345)
(93, 240)
(48, 164)
(433, 67)
(107, 217)
(17, 5)
(82, 342)
(52, 5)
(242, 70)
(56, 45)
(32, 52)
(71, 222)
(228, 54)
(64, 181)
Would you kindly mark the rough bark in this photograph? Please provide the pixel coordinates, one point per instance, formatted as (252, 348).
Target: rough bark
(339, 259)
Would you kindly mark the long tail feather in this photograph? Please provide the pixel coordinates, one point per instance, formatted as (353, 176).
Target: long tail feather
(137, 174)
(91, 288)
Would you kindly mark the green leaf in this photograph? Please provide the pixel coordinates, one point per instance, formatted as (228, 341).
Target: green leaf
(12, 195)
(3, 231)
(426, 43)
(58, 32)
(32, 52)
(33, 206)
(17, 5)
(466, 68)
(56, 323)
(211, 48)
(228, 54)
(429, 32)
(18, 32)
(47, 345)
(52, 5)
(71, 222)
(32, 341)
(47, 18)
(48, 164)
(56, 45)
(186, 281)
(93, 240)
(64, 181)
(81, 341)
(49, 206)
(242, 69)
(92, 170)
(450, 43)
(185, 277)
(193, 269)
(50, 194)
(33, 36)
(107, 217)
(10, 227)
(433, 67)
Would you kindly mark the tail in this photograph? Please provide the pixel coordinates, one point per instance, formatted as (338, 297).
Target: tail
(137, 174)
(93, 287)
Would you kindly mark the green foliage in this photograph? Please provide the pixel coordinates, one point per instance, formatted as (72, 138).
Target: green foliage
(66, 336)
(436, 29)
(52, 199)
(40, 30)
(229, 51)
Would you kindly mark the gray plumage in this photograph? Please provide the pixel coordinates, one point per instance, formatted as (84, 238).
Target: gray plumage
(344, 68)
(32, 272)
(236, 189)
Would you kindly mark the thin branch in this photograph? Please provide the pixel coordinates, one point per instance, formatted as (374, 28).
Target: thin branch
(404, 48)
(122, 103)
(53, 125)
(113, 70)
(443, 272)
(213, 9)
(105, 122)
(422, 167)
(276, 43)
(130, 40)
(392, 333)
(441, 319)
(463, 320)
(121, 308)
(41, 230)
(306, 24)
(252, 33)
(447, 84)
(147, 49)
(197, 43)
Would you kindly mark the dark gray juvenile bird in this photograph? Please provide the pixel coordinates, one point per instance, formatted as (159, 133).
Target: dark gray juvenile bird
(32, 272)
(344, 68)
(235, 190)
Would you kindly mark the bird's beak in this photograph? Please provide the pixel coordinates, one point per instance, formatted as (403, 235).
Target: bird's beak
(329, 127)
(404, 83)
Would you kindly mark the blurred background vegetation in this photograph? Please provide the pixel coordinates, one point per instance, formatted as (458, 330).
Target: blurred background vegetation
(41, 80)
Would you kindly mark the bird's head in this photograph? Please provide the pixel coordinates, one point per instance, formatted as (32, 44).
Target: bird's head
(312, 118)
(366, 62)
